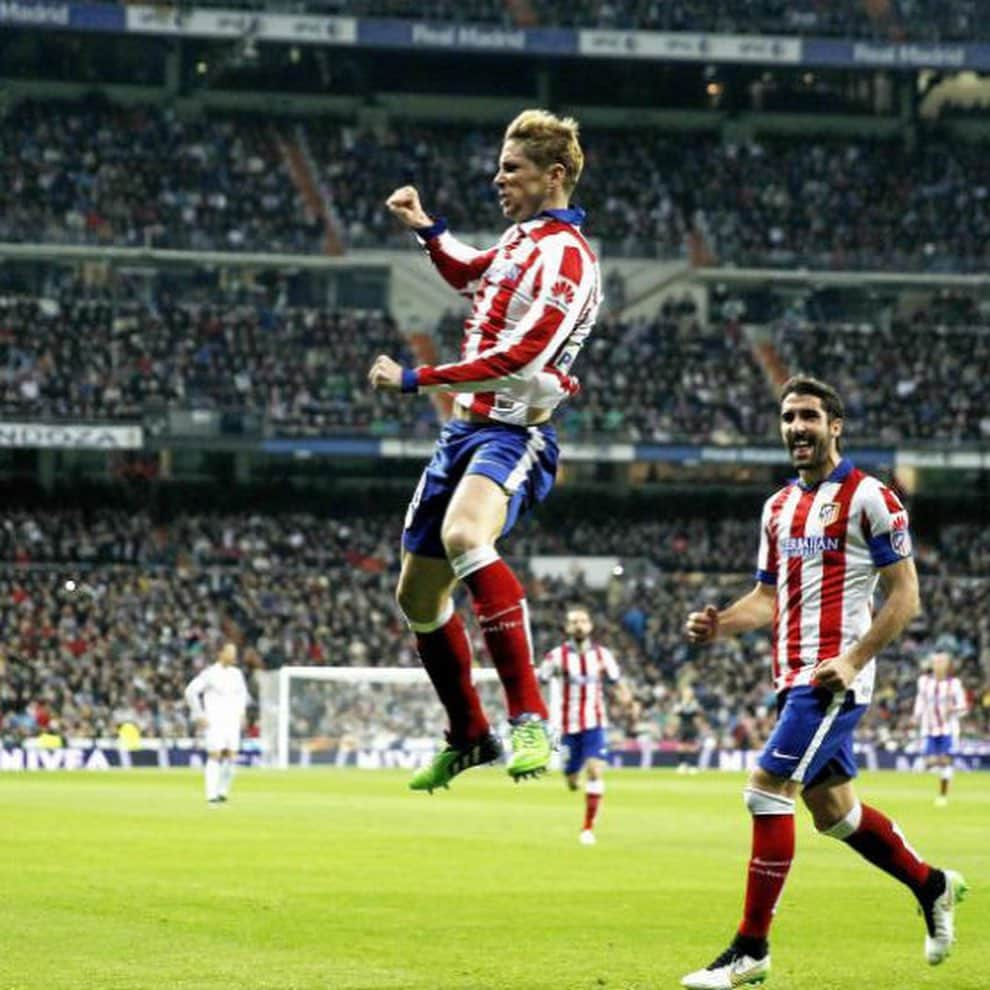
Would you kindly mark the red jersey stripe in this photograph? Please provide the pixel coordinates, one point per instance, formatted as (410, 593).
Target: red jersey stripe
(795, 592)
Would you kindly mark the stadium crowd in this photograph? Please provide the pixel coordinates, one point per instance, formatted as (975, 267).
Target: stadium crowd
(108, 615)
(74, 355)
(915, 20)
(87, 173)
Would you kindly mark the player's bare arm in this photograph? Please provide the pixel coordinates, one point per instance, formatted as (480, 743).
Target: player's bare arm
(900, 585)
(385, 374)
(404, 205)
(753, 611)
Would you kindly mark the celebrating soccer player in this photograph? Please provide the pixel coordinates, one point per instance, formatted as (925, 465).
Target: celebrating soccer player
(825, 540)
(939, 704)
(584, 667)
(534, 299)
(218, 697)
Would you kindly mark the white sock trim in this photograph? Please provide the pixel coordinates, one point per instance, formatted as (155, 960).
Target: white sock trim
(441, 620)
(947, 773)
(473, 560)
(594, 787)
(767, 803)
(845, 827)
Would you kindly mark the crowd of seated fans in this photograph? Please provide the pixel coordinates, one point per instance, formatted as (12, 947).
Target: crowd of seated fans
(90, 172)
(915, 20)
(302, 370)
(108, 615)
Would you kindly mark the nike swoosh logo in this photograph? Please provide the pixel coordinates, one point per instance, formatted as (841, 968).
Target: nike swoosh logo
(784, 756)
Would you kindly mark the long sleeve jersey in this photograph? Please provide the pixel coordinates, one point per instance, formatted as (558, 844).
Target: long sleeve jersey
(535, 296)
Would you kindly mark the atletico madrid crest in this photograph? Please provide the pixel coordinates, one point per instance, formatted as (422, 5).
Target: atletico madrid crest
(829, 513)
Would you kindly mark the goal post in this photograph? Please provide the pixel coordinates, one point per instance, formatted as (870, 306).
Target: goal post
(358, 716)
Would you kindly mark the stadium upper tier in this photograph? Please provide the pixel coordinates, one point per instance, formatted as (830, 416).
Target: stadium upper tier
(94, 646)
(301, 371)
(916, 20)
(91, 173)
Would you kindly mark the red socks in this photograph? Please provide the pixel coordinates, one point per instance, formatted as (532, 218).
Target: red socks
(770, 859)
(594, 791)
(500, 605)
(446, 655)
(879, 840)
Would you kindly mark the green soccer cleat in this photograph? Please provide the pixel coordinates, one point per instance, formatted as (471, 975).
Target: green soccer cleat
(532, 746)
(452, 760)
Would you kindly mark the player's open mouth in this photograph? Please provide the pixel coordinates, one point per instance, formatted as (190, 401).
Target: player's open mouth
(801, 445)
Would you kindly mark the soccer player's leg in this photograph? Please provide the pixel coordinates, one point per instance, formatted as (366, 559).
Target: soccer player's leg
(511, 469)
(803, 740)
(839, 814)
(424, 597)
(594, 784)
(211, 772)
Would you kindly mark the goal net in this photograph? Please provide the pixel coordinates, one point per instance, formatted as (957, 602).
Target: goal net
(367, 717)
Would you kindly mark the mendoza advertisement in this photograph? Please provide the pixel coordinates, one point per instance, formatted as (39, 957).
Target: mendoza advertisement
(71, 436)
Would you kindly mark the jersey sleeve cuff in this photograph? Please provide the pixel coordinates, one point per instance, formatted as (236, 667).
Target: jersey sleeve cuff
(766, 577)
(435, 229)
(410, 380)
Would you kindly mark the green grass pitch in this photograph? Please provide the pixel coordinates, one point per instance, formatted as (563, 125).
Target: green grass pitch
(344, 880)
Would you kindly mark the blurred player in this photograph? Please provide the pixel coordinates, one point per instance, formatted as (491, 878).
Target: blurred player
(217, 697)
(690, 722)
(939, 705)
(534, 299)
(584, 668)
(825, 540)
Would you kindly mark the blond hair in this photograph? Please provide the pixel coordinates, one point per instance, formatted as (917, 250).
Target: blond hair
(549, 140)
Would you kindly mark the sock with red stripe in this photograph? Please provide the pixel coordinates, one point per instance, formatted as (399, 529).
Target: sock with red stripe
(879, 841)
(770, 860)
(594, 791)
(445, 651)
(500, 605)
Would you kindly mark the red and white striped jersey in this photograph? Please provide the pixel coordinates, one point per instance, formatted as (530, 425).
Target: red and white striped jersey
(582, 674)
(823, 547)
(535, 296)
(939, 704)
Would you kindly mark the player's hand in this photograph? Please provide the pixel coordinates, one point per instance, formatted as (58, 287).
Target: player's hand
(385, 374)
(836, 674)
(702, 627)
(404, 205)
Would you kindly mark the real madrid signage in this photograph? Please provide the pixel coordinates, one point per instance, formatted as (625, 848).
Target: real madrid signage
(71, 436)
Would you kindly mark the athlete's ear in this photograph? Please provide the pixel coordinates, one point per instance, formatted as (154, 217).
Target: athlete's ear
(835, 427)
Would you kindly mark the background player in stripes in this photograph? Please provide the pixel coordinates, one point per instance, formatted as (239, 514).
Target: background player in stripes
(218, 698)
(534, 296)
(826, 538)
(584, 669)
(938, 706)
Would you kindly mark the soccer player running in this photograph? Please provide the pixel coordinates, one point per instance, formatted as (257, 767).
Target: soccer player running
(534, 298)
(584, 668)
(825, 540)
(217, 697)
(938, 706)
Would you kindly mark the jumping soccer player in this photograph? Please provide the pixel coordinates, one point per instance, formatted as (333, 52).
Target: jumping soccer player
(825, 540)
(939, 704)
(534, 299)
(218, 697)
(584, 668)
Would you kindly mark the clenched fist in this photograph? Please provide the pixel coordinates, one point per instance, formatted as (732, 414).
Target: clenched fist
(385, 374)
(404, 204)
(702, 627)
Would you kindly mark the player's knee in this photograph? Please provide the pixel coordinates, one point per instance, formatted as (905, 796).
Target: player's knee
(460, 535)
(841, 827)
(759, 802)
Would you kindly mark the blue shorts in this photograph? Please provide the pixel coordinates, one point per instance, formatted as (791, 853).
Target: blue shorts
(521, 459)
(583, 746)
(813, 737)
(939, 745)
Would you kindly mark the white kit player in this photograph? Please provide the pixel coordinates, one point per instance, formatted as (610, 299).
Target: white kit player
(584, 669)
(218, 697)
(939, 705)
